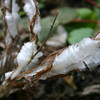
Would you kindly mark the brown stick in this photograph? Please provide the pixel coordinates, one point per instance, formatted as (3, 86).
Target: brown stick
(93, 3)
(48, 34)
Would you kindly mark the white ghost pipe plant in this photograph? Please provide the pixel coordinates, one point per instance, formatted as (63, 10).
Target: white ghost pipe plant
(78, 56)
(32, 12)
(24, 58)
(37, 26)
(12, 19)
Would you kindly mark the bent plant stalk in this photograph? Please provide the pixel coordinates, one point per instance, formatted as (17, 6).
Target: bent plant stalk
(11, 19)
(80, 56)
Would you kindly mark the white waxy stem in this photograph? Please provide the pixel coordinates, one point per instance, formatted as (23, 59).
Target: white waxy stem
(8, 38)
(8, 74)
(30, 9)
(77, 56)
(7, 3)
(12, 20)
(37, 27)
(25, 56)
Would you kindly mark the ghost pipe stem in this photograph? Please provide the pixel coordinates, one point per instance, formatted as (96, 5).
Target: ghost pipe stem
(32, 11)
(11, 19)
(25, 59)
(78, 56)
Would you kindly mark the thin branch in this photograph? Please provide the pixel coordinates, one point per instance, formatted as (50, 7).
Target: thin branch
(93, 3)
(32, 23)
(48, 34)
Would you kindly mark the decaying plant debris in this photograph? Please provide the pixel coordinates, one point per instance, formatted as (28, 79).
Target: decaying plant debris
(24, 67)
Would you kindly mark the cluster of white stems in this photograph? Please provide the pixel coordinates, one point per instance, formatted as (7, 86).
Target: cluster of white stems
(77, 56)
(25, 58)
